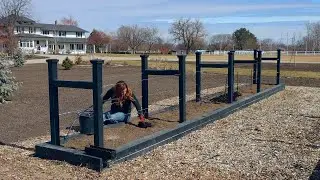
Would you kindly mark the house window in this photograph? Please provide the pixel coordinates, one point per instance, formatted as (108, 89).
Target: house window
(71, 46)
(18, 29)
(22, 29)
(79, 34)
(26, 44)
(45, 32)
(53, 47)
(61, 46)
(30, 30)
(62, 33)
(79, 46)
(38, 42)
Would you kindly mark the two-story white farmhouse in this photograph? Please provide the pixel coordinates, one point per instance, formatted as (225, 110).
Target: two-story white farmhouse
(49, 38)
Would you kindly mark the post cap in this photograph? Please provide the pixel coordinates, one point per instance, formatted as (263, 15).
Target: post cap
(231, 52)
(198, 52)
(182, 55)
(52, 60)
(144, 55)
(97, 61)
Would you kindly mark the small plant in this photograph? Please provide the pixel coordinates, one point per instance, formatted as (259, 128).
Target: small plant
(18, 58)
(7, 80)
(78, 60)
(108, 63)
(67, 64)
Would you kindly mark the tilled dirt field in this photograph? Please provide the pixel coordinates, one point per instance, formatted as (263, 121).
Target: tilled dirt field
(286, 66)
(277, 138)
(28, 114)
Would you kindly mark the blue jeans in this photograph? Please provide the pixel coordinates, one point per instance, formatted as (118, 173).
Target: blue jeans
(115, 118)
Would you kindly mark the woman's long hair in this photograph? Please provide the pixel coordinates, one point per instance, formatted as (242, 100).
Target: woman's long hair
(119, 88)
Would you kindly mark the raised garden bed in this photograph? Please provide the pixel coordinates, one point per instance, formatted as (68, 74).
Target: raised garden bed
(116, 136)
(100, 158)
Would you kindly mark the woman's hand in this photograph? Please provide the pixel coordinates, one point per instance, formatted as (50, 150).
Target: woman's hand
(141, 117)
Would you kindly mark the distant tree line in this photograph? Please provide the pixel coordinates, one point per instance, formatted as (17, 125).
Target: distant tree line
(190, 35)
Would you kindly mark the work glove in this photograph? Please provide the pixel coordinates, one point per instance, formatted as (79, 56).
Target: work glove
(141, 118)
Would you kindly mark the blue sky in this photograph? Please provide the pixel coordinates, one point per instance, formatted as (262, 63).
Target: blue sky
(265, 18)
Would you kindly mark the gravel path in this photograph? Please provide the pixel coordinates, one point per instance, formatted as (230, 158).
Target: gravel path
(277, 138)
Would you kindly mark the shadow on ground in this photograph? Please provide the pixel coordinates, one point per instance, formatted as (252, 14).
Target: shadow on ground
(316, 172)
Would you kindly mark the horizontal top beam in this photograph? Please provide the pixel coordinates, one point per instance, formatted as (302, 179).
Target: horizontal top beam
(244, 61)
(73, 84)
(205, 65)
(271, 59)
(162, 72)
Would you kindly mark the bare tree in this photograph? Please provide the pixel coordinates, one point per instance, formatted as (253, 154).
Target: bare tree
(187, 32)
(312, 40)
(15, 7)
(134, 36)
(268, 44)
(68, 21)
(221, 42)
(10, 12)
(151, 37)
(199, 43)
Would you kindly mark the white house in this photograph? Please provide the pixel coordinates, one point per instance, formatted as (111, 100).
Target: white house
(49, 38)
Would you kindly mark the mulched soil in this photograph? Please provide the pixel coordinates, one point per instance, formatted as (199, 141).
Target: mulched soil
(115, 136)
(28, 114)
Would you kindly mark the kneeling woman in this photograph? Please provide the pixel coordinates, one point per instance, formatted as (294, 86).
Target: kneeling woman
(121, 98)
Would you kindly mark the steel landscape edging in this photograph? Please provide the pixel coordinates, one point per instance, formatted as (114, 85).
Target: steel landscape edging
(148, 143)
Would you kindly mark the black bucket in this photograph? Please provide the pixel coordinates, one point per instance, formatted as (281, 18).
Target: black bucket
(86, 120)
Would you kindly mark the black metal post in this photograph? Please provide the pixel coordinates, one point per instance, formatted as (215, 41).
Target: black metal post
(182, 88)
(230, 76)
(259, 71)
(145, 84)
(254, 78)
(198, 76)
(97, 101)
(54, 102)
(278, 66)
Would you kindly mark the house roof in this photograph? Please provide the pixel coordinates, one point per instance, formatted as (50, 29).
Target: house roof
(70, 40)
(51, 39)
(19, 19)
(33, 36)
(51, 27)
(59, 27)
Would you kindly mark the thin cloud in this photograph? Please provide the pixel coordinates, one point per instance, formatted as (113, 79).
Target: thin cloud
(255, 19)
(191, 9)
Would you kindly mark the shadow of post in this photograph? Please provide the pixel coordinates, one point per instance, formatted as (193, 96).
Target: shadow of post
(16, 146)
(316, 172)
